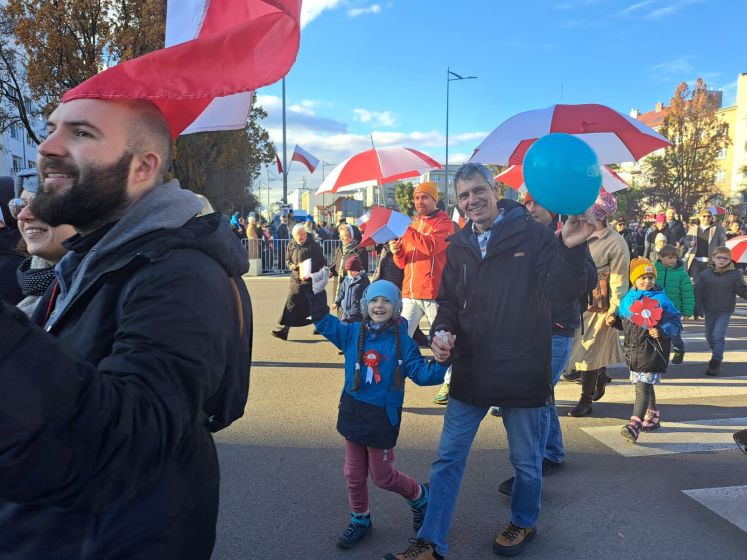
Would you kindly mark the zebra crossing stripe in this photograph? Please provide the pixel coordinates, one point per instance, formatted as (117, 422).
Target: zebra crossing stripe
(727, 502)
(673, 437)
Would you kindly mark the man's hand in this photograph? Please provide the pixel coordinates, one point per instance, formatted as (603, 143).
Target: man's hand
(578, 229)
(394, 245)
(319, 280)
(654, 332)
(442, 344)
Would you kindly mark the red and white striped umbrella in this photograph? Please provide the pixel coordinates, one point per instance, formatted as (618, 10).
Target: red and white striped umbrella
(376, 167)
(738, 246)
(382, 225)
(513, 176)
(615, 137)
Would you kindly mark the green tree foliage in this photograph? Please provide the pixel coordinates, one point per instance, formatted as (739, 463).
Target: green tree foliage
(403, 193)
(684, 176)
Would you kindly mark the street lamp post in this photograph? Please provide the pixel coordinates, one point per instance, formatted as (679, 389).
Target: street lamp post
(324, 194)
(450, 77)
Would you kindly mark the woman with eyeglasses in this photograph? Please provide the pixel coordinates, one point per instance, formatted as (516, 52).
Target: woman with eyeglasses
(43, 242)
(10, 255)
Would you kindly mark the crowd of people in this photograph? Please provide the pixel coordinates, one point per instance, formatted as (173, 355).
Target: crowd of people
(124, 308)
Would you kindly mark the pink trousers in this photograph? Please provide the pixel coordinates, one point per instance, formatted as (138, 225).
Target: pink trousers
(361, 460)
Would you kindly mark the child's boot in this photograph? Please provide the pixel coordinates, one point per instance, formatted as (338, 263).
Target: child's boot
(714, 367)
(360, 524)
(631, 430)
(651, 420)
(678, 356)
(419, 507)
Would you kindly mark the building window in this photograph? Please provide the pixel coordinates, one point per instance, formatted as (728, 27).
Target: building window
(720, 176)
(30, 164)
(721, 154)
(14, 133)
(17, 164)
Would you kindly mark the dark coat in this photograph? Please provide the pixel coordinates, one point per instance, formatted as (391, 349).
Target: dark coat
(387, 269)
(10, 260)
(499, 308)
(349, 298)
(716, 292)
(651, 239)
(106, 449)
(296, 310)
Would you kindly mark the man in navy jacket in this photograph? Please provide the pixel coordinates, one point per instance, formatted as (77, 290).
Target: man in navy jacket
(494, 324)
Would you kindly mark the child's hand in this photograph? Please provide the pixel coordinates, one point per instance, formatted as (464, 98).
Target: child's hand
(654, 332)
(610, 320)
(442, 344)
(319, 280)
(333, 306)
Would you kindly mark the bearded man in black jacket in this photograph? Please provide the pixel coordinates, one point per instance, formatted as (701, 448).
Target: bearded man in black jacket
(106, 449)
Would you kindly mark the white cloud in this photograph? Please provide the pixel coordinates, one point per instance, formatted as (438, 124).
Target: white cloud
(372, 9)
(383, 118)
(311, 9)
(634, 7)
(680, 65)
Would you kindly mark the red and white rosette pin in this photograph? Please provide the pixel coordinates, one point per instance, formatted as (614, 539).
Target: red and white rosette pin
(372, 359)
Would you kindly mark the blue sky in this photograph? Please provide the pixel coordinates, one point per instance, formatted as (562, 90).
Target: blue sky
(379, 68)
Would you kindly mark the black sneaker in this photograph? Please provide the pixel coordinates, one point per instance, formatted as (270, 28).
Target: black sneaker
(282, 334)
(419, 549)
(507, 486)
(353, 533)
(714, 367)
(678, 356)
(513, 539)
(549, 467)
(419, 507)
(572, 376)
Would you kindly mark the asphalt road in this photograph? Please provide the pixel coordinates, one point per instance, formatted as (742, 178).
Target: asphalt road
(284, 496)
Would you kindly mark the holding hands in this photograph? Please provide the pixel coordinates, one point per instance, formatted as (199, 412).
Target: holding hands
(442, 345)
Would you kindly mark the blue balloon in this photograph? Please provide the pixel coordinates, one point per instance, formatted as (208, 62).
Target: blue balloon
(562, 173)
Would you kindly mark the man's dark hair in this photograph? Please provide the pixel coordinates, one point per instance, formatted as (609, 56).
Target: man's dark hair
(468, 170)
(150, 131)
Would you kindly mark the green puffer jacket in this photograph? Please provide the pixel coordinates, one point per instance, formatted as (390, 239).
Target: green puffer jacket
(677, 285)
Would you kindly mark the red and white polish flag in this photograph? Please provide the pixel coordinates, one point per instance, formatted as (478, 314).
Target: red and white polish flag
(302, 156)
(218, 52)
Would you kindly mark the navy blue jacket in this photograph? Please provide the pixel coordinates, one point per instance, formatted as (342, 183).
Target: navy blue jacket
(499, 308)
(349, 296)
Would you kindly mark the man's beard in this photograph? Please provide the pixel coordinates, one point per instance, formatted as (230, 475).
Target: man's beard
(97, 197)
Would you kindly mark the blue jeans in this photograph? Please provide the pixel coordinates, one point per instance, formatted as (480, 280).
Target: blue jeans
(549, 424)
(715, 332)
(461, 422)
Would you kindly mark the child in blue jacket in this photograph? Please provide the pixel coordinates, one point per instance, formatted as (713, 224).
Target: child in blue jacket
(353, 285)
(379, 355)
(646, 348)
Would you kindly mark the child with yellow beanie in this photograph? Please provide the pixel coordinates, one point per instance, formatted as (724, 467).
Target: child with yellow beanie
(647, 342)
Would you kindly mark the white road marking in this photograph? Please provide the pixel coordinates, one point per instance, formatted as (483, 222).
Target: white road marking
(727, 502)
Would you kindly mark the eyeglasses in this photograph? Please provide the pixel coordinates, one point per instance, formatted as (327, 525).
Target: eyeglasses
(721, 258)
(741, 439)
(16, 205)
(706, 217)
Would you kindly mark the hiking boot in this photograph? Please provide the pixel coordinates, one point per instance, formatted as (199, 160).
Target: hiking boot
(678, 356)
(495, 411)
(419, 507)
(442, 397)
(281, 333)
(651, 421)
(632, 429)
(513, 539)
(602, 379)
(419, 549)
(572, 376)
(359, 525)
(507, 486)
(714, 367)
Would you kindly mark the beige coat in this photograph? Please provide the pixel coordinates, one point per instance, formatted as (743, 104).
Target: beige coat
(599, 346)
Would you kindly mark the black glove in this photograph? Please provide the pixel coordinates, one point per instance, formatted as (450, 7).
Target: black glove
(318, 307)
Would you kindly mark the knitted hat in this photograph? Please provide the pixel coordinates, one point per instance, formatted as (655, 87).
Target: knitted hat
(385, 289)
(353, 263)
(429, 188)
(28, 180)
(605, 205)
(639, 267)
(660, 237)
(661, 219)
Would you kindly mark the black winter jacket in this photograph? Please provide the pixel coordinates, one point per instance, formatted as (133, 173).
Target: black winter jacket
(499, 308)
(716, 292)
(106, 449)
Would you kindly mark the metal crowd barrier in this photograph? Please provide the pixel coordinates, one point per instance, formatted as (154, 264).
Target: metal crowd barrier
(272, 254)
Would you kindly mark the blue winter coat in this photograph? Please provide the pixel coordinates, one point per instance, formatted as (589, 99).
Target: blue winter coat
(349, 297)
(371, 415)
